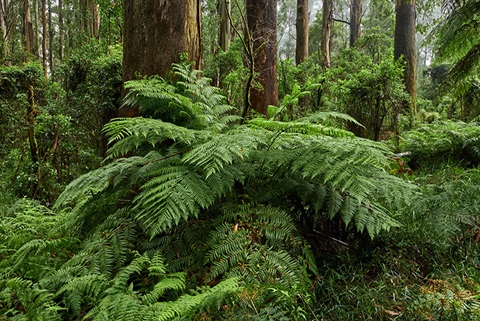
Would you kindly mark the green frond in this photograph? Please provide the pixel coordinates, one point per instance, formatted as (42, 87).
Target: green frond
(175, 193)
(458, 32)
(131, 133)
(322, 117)
(299, 127)
(83, 292)
(185, 98)
(36, 303)
(252, 244)
(187, 304)
(173, 282)
(458, 43)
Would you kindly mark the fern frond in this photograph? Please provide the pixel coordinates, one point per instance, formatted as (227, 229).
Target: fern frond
(321, 117)
(299, 127)
(83, 292)
(131, 133)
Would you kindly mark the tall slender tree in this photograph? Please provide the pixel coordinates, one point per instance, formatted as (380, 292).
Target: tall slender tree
(28, 27)
(3, 31)
(404, 46)
(356, 8)
(61, 31)
(325, 44)
(224, 9)
(51, 34)
(44, 37)
(262, 31)
(301, 51)
(156, 32)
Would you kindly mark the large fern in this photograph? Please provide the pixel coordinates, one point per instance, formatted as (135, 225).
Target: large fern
(458, 43)
(224, 205)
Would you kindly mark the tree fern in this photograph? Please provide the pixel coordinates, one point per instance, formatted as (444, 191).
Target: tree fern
(223, 205)
(459, 44)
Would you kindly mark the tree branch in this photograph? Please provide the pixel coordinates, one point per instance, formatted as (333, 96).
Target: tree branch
(343, 21)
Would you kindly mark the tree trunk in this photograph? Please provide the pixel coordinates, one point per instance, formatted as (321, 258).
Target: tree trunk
(262, 30)
(301, 52)
(156, 32)
(404, 46)
(325, 44)
(3, 32)
(44, 38)
(61, 30)
(95, 20)
(27, 27)
(224, 8)
(355, 20)
(37, 30)
(31, 112)
(50, 40)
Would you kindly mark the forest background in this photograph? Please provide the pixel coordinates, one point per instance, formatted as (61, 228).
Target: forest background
(239, 160)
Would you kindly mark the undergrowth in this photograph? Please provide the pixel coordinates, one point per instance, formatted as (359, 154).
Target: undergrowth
(195, 217)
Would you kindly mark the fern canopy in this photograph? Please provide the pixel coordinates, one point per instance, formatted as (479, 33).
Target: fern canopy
(224, 205)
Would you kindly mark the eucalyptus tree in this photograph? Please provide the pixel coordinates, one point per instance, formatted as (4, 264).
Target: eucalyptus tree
(301, 51)
(155, 34)
(404, 45)
(27, 27)
(225, 34)
(325, 43)
(262, 34)
(356, 10)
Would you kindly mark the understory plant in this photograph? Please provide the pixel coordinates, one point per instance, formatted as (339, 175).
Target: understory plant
(191, 207)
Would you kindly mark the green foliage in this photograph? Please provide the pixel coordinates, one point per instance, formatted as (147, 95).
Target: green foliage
(92, 80)
(458, 43)
(185, 99)
(371, 91)
(446, 141)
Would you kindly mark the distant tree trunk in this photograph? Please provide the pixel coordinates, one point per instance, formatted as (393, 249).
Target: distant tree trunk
(301, 52)
(3, 32)
(325, 44)
(61, 30)
(27, 27)
(404, 46)
(50, 40)
(95, 20)
(37, 30)
(156, 32)
(355, 20)
(224, 8)
(44, 38)
(262, 26)
(31, 112)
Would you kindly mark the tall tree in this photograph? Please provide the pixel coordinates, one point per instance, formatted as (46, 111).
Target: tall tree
(325, 44)
(301, 51)
(356, 7)
(224, 8)
(156, 32)
(61, 30)
(44, 37)
(404, 46)
(262, 32)
(28, 27)
(36, 29)
(3, 30)
(51, 34)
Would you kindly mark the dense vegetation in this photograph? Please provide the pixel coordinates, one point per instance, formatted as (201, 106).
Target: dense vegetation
(338, 205)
